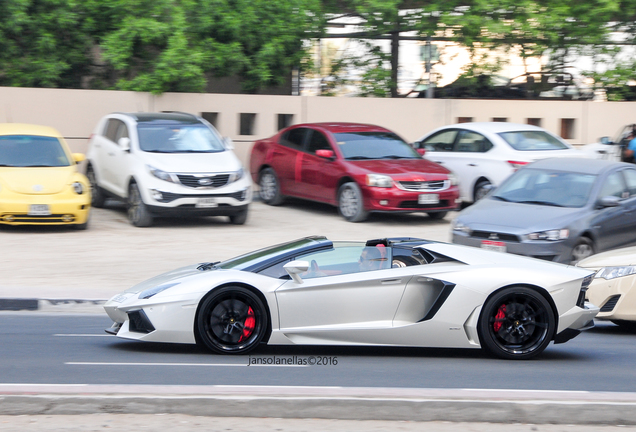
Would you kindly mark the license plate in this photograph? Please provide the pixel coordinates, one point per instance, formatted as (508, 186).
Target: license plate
(207, 203)
(39, 210)
(428, 199)
(493, 245)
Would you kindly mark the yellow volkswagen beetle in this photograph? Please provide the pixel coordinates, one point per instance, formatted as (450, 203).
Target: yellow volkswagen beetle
(39, 180)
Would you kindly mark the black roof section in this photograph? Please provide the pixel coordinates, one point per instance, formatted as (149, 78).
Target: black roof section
(164, 117)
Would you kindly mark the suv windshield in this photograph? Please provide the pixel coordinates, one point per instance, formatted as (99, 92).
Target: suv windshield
(374, 145)
(532, 140)
(546, 187)
(178, 138)
(32, 151)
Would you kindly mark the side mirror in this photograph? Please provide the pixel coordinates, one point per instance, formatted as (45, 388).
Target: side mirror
(421, 151)
(79, 157)
(327, 154)
(609, 201)
(605, 140)
(227, 142)
(294, 268)
(124, 143)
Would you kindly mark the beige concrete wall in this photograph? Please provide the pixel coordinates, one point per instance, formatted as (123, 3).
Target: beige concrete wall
(76, 112)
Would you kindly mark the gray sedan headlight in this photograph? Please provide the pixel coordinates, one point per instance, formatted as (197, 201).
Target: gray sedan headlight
(235, 176)
(379, 180)
(161, 175)
(615, 272)
(78, 188)
(552, 235)
(458, 226)
(146, 294)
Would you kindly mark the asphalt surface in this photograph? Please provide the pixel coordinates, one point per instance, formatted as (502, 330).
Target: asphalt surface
(57, 270)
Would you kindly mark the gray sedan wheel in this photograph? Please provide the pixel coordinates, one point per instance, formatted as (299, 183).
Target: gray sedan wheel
(583, 249)
(351, 203)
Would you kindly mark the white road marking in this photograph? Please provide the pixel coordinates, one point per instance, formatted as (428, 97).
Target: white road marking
(82, 335)
(177, 364)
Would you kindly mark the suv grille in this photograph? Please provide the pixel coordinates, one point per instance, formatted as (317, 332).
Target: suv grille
(495, 236)
(204, 180)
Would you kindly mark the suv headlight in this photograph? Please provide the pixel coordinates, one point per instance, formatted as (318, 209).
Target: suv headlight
(379, 180)
(78, 188)
(161, 175)
(552, 235)
(608, 273)
(235, 176)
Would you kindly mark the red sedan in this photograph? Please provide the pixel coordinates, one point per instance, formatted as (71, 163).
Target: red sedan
(357, 167)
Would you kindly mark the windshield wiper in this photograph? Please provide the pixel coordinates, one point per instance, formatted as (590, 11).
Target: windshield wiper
(359, 158)
(397, 157)
(39, 166)
(208, 266)
(548, 203)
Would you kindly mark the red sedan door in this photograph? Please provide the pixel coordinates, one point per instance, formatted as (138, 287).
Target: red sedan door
(319, 175)
(286, 157)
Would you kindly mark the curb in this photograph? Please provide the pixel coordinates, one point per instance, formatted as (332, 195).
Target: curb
(389, 404)
(52, 305)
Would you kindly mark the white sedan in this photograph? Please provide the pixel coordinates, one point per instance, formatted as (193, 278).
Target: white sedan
(384, 292)
(485, 154)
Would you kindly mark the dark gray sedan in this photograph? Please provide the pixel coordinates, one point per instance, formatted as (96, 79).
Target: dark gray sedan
(558, 209)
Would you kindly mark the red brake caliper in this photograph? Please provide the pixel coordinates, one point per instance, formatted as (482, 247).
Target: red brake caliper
(248, 325)
(501, 314)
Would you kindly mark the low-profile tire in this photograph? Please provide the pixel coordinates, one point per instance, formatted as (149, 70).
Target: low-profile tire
(516, 323)
(270, 188)
(231, 320)
(437, 215)
(626, 325)
(98, 197)
(481, 190)
(583, 248)
(138, 213)
(239, 218)
(351, 203)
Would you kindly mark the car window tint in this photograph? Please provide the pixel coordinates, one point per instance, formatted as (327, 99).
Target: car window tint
(294, 138)
(630, 179)
(533, 140)
(345, 259)
(111, 129)
(442, 141)
(317, 141)
(472, 142)
(122, 132)
(276, 271)
(613, 186)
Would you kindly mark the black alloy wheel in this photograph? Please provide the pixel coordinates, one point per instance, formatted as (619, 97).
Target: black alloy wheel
(232, 320)
(516, 323)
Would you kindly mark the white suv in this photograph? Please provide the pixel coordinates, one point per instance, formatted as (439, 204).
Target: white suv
(166, 164)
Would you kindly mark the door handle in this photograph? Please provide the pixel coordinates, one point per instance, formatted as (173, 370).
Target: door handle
(391, 281)
(439, 162)
(472, 164)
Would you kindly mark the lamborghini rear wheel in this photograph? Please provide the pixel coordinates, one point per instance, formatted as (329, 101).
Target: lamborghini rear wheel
(232, 320)
(516, 323)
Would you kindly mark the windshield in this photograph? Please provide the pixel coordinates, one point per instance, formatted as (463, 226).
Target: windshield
(533, 140)
(179, 138)
(374, 145)
(546, 187)
(32, 151)
(244, 261)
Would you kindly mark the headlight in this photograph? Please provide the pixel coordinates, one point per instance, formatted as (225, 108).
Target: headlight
(379, 180)
(453, 179)
(78, 188)
(235, 176)
(615, 272)
(458, 226)
(552, 235)
(146, 294)
(162, 175)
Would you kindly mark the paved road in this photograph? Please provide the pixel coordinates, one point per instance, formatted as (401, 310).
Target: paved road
(78, 351)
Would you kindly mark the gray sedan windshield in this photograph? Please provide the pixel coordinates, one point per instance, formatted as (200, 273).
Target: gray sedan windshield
(550, 188)
(532, 140)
